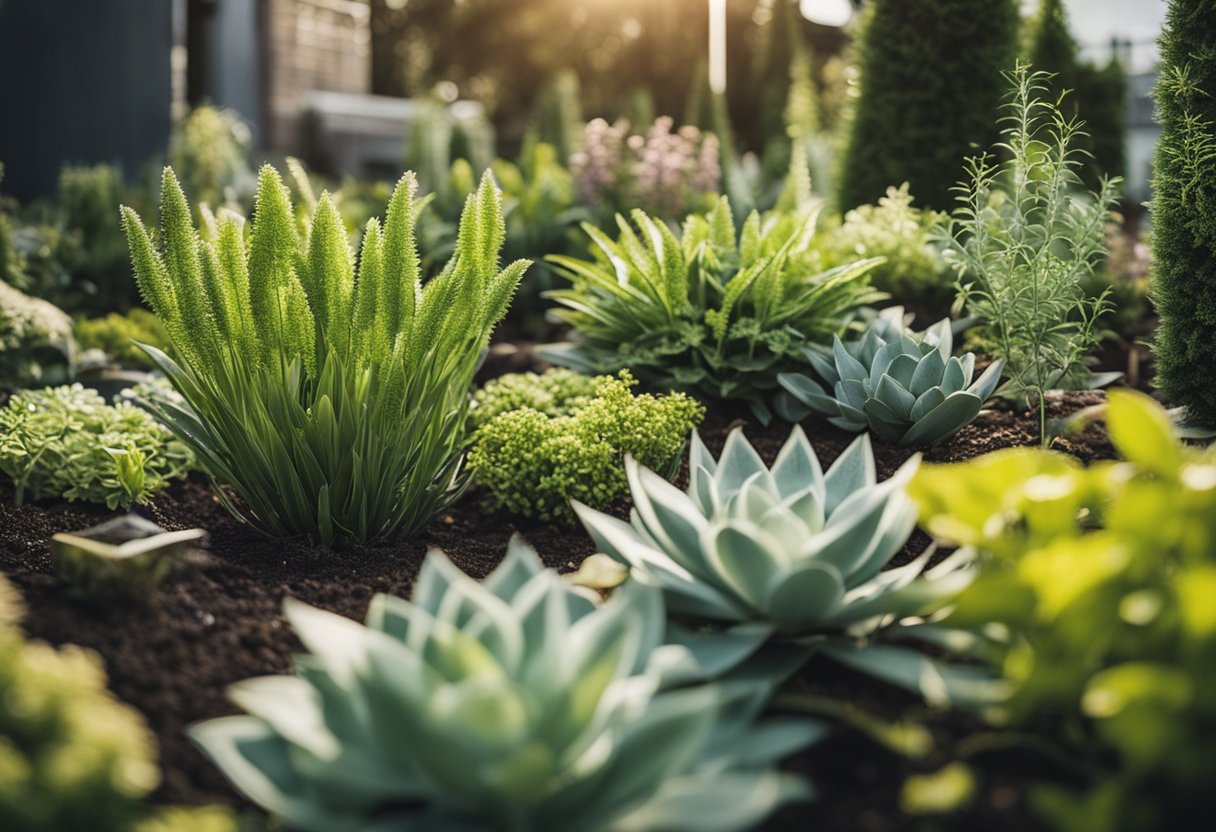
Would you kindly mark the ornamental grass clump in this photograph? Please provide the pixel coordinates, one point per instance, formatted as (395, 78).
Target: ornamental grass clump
(513, 704)
(534, 460)
(715, 311)
(330, 400)
(67, 442)
(906, 388)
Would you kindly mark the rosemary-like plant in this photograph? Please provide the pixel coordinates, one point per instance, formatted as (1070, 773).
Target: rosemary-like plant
(331, 401)
(1024, 240)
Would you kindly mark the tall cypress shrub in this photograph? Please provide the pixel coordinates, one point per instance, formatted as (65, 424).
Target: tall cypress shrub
(931, 89)
(1097, 95)
(1184, 210)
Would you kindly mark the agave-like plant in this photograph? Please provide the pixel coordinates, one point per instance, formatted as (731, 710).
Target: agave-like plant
(792, 552)
(907, 388)
(714, 312)
(515, 704)
(331, 400)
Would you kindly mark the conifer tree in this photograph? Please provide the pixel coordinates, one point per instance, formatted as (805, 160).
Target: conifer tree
(1096, 95)
(1184, 210)
(931, 88)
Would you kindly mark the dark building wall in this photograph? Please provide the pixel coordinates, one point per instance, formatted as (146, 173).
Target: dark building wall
(81, 81)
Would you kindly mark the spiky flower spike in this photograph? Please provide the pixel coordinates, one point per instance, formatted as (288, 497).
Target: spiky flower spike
(330, 399)
(513, 704)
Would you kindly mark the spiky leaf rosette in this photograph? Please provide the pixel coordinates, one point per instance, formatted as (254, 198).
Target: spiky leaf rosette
(791, 552)
(331, 399)
(512, 704)
(714, 312)
(906, 387)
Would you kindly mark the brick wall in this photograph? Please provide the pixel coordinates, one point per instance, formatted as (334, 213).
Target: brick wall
(312, 45)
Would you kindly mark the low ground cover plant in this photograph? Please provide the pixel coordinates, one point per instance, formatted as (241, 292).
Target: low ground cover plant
(331, 400)
(789, 555)
(516, 703)
(1103, 579)
(36, 341)
(716, 312)
(555, 392)
(907, 388)
(533, 461)
(1025, 241)
(68, 442)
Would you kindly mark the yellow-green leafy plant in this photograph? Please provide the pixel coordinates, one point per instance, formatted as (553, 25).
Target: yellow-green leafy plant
(533, 463)
(67, 442)
(1104, 579)
(555, 392)
(789, 555)
(714, 311)
(72, 757)
(119, 336)
(513, 704)
(330, 399)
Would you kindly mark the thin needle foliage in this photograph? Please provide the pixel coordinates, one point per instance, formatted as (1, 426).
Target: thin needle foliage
(330, 399)
(1025, 238)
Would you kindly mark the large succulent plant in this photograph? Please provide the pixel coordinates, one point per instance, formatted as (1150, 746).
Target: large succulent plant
(792, 552)
(516, 704)
(907, 388)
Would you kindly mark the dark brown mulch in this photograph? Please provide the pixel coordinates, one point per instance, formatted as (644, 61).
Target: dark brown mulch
(221, 622)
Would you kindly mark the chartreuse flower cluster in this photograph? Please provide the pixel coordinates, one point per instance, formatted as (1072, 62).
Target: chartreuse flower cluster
(71, 755)
(714, 311)
(67, 442)
(1105, 579)
(533, 464)
(790, 553)
(330, 399)
(905, 387)
(513, 704)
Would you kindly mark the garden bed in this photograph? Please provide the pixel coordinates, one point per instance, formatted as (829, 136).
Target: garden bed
(220, 621)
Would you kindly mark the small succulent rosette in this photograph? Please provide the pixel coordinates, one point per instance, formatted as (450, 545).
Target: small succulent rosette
(907, 388)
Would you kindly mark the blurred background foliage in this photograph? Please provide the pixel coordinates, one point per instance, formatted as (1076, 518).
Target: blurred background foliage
(630, 56)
